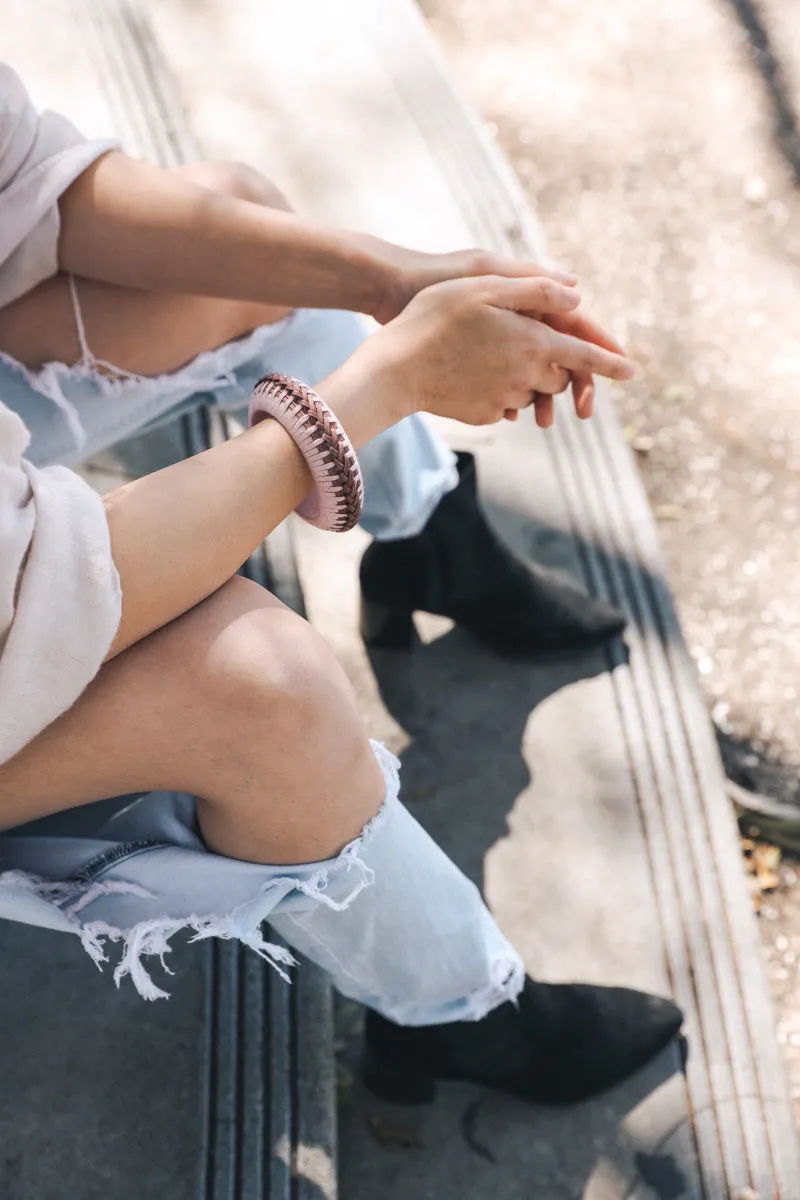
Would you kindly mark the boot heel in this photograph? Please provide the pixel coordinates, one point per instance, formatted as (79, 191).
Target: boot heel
(385, 627)
(397, 1085)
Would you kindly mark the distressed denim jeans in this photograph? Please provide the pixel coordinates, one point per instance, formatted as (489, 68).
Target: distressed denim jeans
(391, 918)
(394, 922)
(75, 412)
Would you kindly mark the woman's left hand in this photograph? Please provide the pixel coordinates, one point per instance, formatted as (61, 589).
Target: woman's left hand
(406, 272)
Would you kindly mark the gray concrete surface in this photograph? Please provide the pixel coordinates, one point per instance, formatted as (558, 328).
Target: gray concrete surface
(659, 145)
(490, 749)
(516, 770)
(101, 1095)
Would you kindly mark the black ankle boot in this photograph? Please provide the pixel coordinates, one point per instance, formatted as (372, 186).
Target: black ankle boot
(559, 1044)
(458, 568)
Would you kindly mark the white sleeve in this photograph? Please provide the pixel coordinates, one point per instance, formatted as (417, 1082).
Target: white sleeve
(40, 156)
(60, 596)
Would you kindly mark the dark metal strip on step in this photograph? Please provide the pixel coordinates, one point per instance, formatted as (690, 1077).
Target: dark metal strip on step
(222, 1013)
(302, 1164)
(657, 766)
(314, 1080)
(742, 1115)
(705, 824)
(269, 1129)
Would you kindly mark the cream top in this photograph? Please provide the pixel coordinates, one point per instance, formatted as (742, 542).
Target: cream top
(59, 590)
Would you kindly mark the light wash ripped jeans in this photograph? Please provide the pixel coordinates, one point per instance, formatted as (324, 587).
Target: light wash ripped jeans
(391, 901)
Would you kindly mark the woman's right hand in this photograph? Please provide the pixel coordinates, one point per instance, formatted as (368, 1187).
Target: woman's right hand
(464, 349)
(460, 349)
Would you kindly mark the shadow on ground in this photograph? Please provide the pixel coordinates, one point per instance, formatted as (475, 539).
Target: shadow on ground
(465, 712)
(767, 60)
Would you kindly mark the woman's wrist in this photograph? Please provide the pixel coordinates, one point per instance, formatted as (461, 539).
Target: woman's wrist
(367, 393)
(385, 280)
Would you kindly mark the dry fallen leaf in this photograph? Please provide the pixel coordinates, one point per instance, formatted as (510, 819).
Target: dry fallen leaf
(761, 862)
(766, 857)
(668, 512)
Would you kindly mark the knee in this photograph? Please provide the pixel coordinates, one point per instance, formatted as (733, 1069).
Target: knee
(268, 727)
(239, 180)
(271, 687)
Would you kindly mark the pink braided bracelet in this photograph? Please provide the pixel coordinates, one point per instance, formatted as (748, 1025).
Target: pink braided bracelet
(335, 504)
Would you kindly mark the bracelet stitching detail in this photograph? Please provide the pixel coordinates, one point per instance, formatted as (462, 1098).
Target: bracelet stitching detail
(332, 460)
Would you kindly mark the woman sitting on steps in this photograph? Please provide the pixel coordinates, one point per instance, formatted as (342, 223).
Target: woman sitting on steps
(133, 659)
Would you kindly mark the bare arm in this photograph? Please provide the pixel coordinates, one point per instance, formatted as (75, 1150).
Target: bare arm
(177, 535)
(130, 223)
(133, 224)
(460, 349)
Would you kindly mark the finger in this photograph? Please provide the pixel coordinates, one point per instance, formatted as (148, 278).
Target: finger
(579, 325)
(513, 268)
(583, 394)
(567, 277)
(526, 399)
(538, 293)
(577, 355)
(544, 407)
(552, 379)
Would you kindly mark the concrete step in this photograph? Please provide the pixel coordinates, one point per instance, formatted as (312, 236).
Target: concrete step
(618, 857)
(226, 1092)
(587, 798)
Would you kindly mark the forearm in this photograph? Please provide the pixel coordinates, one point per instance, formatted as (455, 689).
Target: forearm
(133, 224)
(177, 535)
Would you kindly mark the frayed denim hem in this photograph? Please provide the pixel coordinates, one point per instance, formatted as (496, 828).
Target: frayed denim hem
(326, 883)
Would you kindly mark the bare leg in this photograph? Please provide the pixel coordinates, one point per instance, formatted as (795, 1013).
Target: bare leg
(241, 702)
(144, 332)
(238, 701)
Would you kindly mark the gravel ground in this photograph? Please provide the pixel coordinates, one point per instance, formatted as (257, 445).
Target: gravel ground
(659, 145)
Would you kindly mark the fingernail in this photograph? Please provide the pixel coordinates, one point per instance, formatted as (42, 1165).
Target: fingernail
(566, 277)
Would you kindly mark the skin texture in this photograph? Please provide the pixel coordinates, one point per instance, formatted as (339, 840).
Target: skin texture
(208, 673)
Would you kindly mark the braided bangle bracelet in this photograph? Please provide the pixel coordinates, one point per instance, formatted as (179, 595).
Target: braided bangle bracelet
(335, 504)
